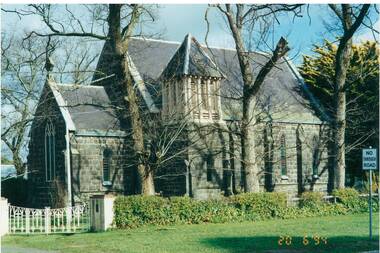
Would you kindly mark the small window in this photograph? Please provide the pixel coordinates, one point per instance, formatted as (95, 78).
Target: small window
(174, 95)
(107, 155)
(210, 167)
(204, 95)
(194, 96)
(165, 98)
(49, 151)
(215, 96)
(283, 156)
(316, 155)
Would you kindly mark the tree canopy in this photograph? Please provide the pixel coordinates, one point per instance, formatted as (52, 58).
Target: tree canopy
(362, 94)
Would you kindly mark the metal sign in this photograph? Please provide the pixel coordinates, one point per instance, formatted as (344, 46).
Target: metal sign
(369, 159)
(370, 163)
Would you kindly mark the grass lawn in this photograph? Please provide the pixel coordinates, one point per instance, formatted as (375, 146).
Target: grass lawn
(343, 233)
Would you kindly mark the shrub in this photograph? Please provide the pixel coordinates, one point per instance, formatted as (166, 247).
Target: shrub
(15, 190)
(311, 200)
(135, 211)
(260, 205)
(351, 199)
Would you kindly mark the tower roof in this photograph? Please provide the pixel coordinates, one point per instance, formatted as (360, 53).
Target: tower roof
(191, 59)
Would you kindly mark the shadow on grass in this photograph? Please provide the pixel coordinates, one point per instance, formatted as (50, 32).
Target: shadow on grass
(268, 244)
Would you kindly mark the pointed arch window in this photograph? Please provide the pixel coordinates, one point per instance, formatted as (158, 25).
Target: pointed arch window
(49, 151)
(107, 158)
(316, 155)
(283, 156)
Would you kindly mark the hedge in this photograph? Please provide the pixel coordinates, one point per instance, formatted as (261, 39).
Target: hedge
(135, 211)
(352, 201)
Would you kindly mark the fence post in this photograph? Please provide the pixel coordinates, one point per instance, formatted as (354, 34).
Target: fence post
(4, 216)
(27, 220)
(47, 220)
(68, 218)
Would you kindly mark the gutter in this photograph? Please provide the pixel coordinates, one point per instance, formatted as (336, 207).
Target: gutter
(68, 168)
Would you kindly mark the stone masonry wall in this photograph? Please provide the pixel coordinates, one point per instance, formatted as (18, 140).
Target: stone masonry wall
(227, 176)
(41, 192)
(87, 166)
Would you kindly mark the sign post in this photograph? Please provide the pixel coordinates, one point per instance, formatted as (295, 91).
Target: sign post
(370, 163)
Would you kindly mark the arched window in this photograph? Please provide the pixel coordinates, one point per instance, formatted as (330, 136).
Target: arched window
(316, 155)
(283, 155)
(107, 155)
(49, 151)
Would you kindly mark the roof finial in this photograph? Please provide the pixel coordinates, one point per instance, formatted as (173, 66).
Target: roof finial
(49, 64)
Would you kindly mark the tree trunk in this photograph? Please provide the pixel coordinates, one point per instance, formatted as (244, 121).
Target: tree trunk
(146, 184)
(339, 124)
(342, 61)
(17, 162)
(250, 89)
(251, 181)
(120, 47)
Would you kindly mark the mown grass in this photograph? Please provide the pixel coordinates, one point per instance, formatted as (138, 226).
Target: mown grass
(343, 233)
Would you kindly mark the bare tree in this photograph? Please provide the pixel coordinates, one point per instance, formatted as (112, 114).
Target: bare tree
(241, 18)
(117, 24)
(23, 77)
(22, 65)
(350, 18)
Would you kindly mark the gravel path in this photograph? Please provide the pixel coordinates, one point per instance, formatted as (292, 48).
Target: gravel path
(11, 249)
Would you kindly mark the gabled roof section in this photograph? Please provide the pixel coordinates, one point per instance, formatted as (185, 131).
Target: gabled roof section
(62, 105)
(282, 95)
(191, 59)
(105, 76)
(85, 107)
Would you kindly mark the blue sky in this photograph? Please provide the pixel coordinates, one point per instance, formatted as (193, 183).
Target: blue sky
(175, 21)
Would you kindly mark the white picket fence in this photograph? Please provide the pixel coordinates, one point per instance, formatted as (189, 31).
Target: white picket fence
(61, 220)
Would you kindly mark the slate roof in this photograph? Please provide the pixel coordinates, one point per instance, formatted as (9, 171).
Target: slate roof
(191, 59)
(89, 106)
(282, 97)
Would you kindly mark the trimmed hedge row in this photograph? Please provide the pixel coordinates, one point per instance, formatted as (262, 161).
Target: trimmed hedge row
(135, 211)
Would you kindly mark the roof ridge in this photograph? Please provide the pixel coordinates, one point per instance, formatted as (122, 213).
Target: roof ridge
(202, 45)
(157, 40)
(187, 54)
(77, 85)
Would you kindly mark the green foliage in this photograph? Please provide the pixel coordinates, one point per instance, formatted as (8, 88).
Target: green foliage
(351, 200)
(311, 199)
(136, 211)
(260, 205)
(312, 204)
(362, 94)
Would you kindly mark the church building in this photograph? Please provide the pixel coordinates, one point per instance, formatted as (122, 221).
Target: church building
(191, 101)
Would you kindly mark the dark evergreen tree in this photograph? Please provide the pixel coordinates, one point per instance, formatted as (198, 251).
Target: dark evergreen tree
(362, 95)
